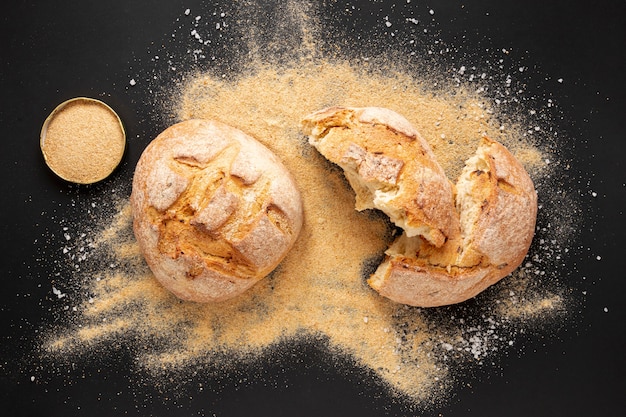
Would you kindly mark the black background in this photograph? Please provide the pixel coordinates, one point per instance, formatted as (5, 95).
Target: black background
(53, 51)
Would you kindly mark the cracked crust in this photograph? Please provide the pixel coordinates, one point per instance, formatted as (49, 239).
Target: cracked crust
(471, 235)
(214, 210)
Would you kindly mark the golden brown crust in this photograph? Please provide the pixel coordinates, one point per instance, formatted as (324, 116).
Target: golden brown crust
(214, 210)
(408, 281)
(456, 241)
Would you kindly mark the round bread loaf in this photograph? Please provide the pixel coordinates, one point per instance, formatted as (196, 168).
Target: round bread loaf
(214, 210)
(457, 240)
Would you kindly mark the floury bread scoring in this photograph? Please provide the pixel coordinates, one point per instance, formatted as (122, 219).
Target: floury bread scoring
(214, 210)
(458, 239)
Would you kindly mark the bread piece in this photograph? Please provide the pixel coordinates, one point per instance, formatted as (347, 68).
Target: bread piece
(214, 210)
(497, 206)
(457, 240)
(389, 166)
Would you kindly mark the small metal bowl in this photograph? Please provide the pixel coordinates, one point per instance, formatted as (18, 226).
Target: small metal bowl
(81, 150)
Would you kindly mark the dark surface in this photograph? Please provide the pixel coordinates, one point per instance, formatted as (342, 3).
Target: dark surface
(52, 51)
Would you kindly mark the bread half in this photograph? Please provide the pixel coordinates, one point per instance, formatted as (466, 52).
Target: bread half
(389, 166)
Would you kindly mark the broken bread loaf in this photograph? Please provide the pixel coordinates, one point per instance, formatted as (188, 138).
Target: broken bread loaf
(456, 240)
(214, 210)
